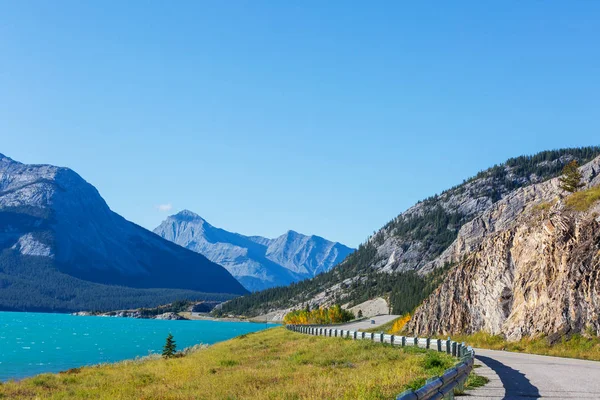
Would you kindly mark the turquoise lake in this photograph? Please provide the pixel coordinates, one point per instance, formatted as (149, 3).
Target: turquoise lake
(34, 343)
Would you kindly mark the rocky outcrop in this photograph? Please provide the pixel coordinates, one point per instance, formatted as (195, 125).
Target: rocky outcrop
(257, 262)
(539, 275)
(170, 316)
(505, 212)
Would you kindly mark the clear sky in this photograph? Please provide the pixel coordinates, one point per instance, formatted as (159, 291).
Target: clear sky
(325, 117)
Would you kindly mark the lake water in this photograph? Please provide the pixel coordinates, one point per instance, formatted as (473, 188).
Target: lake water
(34, 343)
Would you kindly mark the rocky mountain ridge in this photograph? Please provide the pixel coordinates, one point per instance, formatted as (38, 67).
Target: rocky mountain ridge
(257, 262)
(430, 236)
(536, 271)
(57, 236)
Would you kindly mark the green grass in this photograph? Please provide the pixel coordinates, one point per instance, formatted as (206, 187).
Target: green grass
(583, 200)
(474, 381)
(271, 364)
(577, 346)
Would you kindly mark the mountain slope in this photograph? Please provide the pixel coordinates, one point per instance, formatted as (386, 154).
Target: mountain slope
(405, 259)
(52, 213)
(257, 262)
(537, 271)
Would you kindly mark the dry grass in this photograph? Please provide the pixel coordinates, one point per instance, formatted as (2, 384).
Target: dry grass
(582, 201)
(272, 364)
(587, 348)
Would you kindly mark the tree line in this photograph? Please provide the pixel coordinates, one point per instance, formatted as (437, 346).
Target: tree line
(318, 316)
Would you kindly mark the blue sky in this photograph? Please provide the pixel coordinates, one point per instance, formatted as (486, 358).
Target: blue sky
(262, 116)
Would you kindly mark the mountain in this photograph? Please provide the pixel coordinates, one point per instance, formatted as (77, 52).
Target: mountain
(62, 248)
(257, 262)
(530, 265)
(408, 258)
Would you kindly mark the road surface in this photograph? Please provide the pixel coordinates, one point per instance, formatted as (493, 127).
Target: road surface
(365, 324)
(519, 376)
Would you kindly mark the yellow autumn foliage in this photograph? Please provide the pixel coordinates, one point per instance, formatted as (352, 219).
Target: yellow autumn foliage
(318, 316)
(399, 324)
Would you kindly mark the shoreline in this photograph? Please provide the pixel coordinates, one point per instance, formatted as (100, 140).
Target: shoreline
(15, 367)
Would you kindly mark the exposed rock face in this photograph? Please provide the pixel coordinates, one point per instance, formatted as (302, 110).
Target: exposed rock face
(257, 262)
(51, 213)
(535, 272)
(505, 212)
(170, 316)
(371, 308)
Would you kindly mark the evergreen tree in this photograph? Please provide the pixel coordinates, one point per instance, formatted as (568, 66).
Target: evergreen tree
(570, 181)
(169, 347)
(360, 314)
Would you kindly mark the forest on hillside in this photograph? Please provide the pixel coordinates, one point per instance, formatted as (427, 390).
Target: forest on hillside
(435, 229)
(34, 284)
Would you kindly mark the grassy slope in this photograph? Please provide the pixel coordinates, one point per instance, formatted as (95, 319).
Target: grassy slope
(582, 201)
(272, 364)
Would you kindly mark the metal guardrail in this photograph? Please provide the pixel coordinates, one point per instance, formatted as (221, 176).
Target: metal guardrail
(436, 388)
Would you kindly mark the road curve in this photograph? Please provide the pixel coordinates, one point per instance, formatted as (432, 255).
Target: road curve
(519, 376)
(365, 324)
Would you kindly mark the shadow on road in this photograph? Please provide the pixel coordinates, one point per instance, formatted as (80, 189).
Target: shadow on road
(515, 383)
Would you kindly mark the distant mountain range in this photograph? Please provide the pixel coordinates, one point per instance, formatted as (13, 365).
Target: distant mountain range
(257, 262)
(63, 249)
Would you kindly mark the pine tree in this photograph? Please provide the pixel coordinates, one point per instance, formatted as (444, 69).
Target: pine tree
(169, 348)
(360, 314)
(570, 181)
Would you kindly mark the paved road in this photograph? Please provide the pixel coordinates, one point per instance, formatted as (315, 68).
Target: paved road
(366, 324)
(517, 376)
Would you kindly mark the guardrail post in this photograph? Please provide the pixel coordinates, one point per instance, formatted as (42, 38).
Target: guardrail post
(381, 338)
(416, 342)
(448, 345)
(354, 335)
(428, 343)
(392, 340)
(454, 348)
(459, 350)
(439, 345)
(372, 336)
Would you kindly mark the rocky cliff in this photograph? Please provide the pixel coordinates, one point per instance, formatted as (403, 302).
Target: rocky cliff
(529, 265)
(257, 262)
(58, 236)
